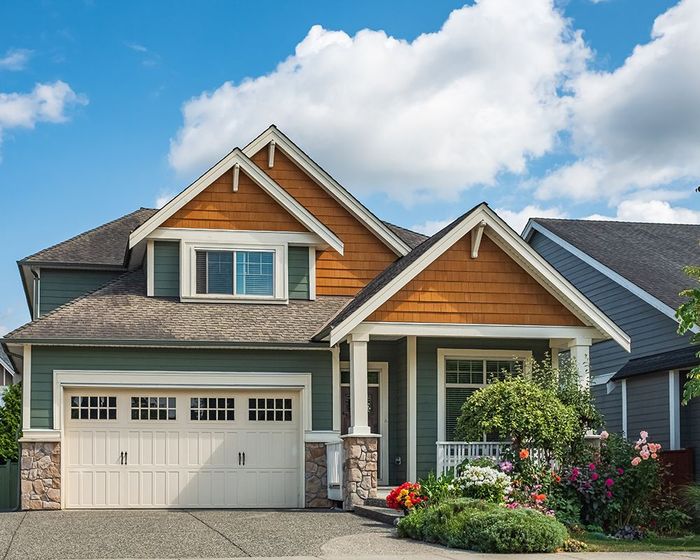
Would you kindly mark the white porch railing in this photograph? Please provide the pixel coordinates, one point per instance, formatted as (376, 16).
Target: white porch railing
(334, 472)
(451, 454)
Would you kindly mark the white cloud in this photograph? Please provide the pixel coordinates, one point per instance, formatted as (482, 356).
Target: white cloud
(45, 103)
(15, 59)
(651, 211)
(637, 127)
(430, 117)
(431, 226)
(517, 219)
(163, 198)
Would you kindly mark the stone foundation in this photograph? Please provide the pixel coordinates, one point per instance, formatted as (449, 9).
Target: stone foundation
(359, 470)
(40, 473)
(315, 475)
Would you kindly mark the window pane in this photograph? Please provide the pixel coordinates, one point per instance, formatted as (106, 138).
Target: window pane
(254, 273)
(498, 368)
(464, 371)
(219, 272)
(201, 269)
(454, 399)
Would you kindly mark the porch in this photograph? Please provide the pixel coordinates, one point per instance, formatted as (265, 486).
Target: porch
(414, 387)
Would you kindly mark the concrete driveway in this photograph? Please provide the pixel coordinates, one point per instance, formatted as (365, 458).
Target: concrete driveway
(218, 534)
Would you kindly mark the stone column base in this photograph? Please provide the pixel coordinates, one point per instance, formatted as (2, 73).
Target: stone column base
(315, 476)
(40, 475)
(359, 469)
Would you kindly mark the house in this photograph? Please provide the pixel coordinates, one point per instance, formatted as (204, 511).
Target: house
(7, 371)
(264, 340)
(633, 272)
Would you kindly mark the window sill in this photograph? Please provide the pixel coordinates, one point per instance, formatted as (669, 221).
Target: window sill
(233, 299)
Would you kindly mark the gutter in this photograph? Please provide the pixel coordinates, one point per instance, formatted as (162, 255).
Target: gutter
(185, 344)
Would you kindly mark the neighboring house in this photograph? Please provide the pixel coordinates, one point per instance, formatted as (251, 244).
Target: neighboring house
(7, 371)
(212, 353)
(633, 272)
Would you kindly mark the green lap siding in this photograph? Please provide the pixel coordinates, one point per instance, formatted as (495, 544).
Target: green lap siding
(298, 272)
(57, 286)
(47, 359)
(166, 268)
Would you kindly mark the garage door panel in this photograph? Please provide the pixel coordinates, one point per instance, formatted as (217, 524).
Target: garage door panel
(191, 460)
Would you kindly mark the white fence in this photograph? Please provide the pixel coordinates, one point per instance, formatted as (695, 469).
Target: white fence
(451, 454)
(334, 463)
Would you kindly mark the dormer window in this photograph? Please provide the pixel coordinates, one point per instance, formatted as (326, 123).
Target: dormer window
(236, 273)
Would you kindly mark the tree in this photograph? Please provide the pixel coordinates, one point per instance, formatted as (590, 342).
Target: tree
(10, 423)
(688, 315)
(519, 409)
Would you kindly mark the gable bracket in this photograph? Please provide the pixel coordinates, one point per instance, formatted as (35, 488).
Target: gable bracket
(477, 234)
(271, 154)
(236, 173)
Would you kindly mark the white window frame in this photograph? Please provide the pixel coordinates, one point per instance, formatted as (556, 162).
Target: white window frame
(188, 272)
(444, 354)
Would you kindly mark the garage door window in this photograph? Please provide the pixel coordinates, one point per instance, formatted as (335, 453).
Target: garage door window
(270, 410)
(211, 408)
(153, 408)
(93, 408)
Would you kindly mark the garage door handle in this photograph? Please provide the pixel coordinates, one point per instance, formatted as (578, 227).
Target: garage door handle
(126, 460)
(239, 458)
(244, 458)
(121, 458)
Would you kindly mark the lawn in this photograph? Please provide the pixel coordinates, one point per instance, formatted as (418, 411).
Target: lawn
(599, 543)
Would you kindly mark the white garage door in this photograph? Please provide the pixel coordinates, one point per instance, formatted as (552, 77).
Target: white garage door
(174, 449)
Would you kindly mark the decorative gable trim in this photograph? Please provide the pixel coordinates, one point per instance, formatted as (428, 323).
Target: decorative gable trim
(237, 157)
(518, 250)
(330, 185)
(532, 227)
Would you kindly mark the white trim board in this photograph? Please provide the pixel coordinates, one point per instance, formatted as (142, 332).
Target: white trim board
(642, 294)
(443, 354)
(330, 185)
(282, 197)
(544, 273)
(472, 330)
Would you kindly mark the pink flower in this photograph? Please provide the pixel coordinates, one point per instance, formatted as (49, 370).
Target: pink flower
(636, 461)
(594, 476)
(608, 494)
(591, 467)
(643, 434)
(644, 454)
(609, 482)
(620, 471)
(574, 474)
(604, 435)
(654, 455)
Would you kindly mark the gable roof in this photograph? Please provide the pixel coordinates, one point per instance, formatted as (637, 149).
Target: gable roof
(674, 359)
(381, 229)
(646, 258)
(405, 269)
(409, 237)
(5, 361)
(282, 197)
(121, 313)
(105, 246)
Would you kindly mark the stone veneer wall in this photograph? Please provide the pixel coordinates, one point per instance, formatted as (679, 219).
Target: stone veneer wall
(359, 470)
(316, 477)
(40, 473)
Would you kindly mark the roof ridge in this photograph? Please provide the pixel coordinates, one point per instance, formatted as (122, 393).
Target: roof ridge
(83, 234)
(73, 302)
(544, 219)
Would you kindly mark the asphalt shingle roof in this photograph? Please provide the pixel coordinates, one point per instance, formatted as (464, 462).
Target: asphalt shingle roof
(105, 245)
(674, 359)
(122, 311)
(409, 237)
(652, 256)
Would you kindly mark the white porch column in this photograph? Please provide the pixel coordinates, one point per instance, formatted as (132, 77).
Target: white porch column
(556, 345)
(359, 418)
(580, 349)
(411, 406)
(27, 388)
(335, 357)
(674, 409)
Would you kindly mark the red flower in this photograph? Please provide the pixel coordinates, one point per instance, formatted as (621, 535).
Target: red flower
(405, 497)
(524, 454)
(594, 476)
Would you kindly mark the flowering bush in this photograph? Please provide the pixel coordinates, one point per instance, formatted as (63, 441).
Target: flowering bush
(405, 497)
(481, 482)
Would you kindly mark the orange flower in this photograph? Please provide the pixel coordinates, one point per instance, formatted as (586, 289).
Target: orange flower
(524, 454)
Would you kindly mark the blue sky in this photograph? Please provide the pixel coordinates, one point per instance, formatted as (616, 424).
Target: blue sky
(548, 112)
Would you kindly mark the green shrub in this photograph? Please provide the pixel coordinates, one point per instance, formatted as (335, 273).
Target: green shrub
(691, 500)
(672, 522)
(485, 527)
(10, 423)
(436, 489)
